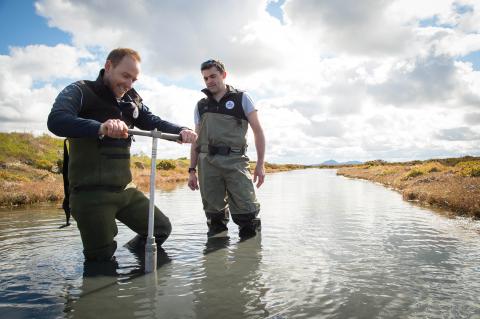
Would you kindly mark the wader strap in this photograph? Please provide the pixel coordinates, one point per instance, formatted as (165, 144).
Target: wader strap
(66, 201)
(221, 150)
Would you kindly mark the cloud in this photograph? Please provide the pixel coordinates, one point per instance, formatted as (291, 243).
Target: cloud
(458, 134)
(472, 118)
(173, 35)
(358, 27)
(27, 78)
(344, 80)
(424, 81)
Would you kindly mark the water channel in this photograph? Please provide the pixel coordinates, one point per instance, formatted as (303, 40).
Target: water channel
(331, 247)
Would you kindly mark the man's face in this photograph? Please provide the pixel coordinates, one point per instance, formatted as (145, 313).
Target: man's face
(214, 79)
(120, 78)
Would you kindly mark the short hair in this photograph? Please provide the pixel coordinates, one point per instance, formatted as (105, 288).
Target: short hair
(116, 55)
(213, 63)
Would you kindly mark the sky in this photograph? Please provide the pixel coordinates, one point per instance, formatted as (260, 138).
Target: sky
(346, 80)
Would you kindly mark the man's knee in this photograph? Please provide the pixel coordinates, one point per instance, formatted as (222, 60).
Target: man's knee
(104, 253)
(163, 228)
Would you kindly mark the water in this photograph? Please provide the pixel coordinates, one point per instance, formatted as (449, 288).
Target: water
(330, 247)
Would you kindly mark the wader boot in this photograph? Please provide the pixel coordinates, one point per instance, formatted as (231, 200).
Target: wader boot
(217, 223)
(93, 268)
(137, 244)
(248, 224)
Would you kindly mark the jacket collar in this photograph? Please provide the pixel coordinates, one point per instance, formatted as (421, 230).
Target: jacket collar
(230, 90)
(100, 87)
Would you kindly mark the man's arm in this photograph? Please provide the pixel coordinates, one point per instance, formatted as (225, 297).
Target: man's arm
(259, 137)
(192, 178)
(63, 119)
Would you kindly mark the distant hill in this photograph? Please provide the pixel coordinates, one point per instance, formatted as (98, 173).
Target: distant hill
(335, 163)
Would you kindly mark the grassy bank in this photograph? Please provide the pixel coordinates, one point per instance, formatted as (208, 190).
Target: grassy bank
(30, 170)
(452, 184)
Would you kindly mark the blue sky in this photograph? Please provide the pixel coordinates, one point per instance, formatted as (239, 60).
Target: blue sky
(30, 28)
(26, 26)
(341, 80)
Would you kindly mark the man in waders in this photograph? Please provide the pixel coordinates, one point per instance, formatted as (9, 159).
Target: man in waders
(95, 117)
(221, 122)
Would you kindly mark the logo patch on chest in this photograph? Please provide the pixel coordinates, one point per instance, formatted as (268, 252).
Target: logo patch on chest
(229, 105)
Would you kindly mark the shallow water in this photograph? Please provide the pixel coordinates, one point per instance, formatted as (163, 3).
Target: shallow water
(330, 247)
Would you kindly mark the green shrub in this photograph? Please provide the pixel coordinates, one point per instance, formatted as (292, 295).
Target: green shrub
(470, 169)
(431, 167)
(43, 164)
(414, 173)
(389, 171)
(60, 165)
(377, 162)
(12, 177)
(166, 164)
(457, 160)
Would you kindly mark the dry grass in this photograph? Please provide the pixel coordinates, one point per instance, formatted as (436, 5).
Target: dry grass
(22, 184)
(453, 188)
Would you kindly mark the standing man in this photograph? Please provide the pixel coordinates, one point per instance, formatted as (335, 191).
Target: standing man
(221, 122)
(95, 117)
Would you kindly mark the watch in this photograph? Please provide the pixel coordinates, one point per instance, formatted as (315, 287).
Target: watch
(192, 169)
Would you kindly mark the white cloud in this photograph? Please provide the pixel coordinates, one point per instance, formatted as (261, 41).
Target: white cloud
(27, 78)
(348, 80)
(458, 134)
(173, 35)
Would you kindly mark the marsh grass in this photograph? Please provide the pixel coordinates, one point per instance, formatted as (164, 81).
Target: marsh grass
(450, 184)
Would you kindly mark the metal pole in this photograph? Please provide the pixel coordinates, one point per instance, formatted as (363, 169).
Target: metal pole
(151, 246)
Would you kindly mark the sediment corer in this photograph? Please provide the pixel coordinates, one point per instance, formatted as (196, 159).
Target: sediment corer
(157, 134)
(151, 246)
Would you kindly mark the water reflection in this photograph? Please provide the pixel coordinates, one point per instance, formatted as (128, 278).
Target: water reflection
(229, 276)
(330, 247)
(107, 290)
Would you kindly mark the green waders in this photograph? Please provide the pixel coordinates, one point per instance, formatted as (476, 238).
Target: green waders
(226, 186)
(95, 212)
(224, 176)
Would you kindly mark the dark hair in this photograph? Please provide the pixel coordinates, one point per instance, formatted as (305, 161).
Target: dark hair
(117, 55)
(213, 63)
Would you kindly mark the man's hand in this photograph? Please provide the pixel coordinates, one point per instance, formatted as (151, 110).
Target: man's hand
(114, 128)
(193, 181)
(188, 136)
(259, 174)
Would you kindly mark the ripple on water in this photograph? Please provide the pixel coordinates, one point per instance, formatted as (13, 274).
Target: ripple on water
(330, 247)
